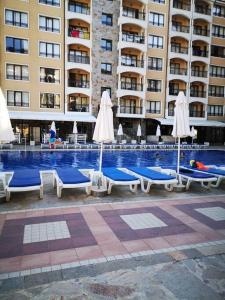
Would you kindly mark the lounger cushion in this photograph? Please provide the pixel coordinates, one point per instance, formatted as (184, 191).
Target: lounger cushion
(71, 176)
(24, 178)
(194, 174)
(117, 175)
(151, 174)
(216, 171)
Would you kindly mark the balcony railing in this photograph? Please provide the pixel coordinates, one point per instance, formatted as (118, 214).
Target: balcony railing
(78, 83)
(198, 94)
(153, 111)
(132, 110)
(179, 49)
(175, 92)
(133, 38)
(201, 53)
(203, 10)
(78, 59)
(131, 86)
(126, 61)
(78, 8)
(197, 113)
(178, 71)
(201, 31)
(79, 34)
(78, 107)
(181, 5)
(180, 28)
(198, 73)
(133, 13)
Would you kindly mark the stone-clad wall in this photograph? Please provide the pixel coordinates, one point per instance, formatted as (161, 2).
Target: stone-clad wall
(99, 55)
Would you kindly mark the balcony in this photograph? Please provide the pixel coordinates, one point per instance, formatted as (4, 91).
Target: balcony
(131, 86)
(74, 107)
(181, 5)
(175, 92)
(200, 53)
(131, 110)
(180, 28)
(80, 11)
(78, 62)
(130, 64)
(133, 38)
(78, 86)
(201, 31)
(133, 13)
(198, 73)
(197, 114)
(178, 71)
(202, 10)
(198, 94)
(81, 37)
(179, 49)
(78, 59)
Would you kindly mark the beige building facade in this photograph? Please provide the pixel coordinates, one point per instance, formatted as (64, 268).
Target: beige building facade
(58, 56)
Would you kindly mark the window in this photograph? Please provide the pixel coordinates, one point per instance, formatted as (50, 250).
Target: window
(107, 19)
(17, 72)
(106, 68)
(106, 44)
(49, 50)
(216, 91)
(16, 45)
(156, 19)
(217, 51)
(78, 103)
(81, 8)
(155, 41)
(215, 110)
(49, 100)
(16, 18)
(154, 107)
(18, 98)
(106, 88)
(217, 71)
(219, 11)
(155, 63)
(50, 2)
(49, 24)
(218, 31)
(159, 1)
(49, 75)
(154, 85)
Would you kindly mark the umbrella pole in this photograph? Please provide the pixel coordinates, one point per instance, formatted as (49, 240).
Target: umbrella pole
(100, 159)
(178, 159)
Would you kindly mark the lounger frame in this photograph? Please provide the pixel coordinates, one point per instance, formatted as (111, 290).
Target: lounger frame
(168, 184)
(108, 182)
(9, 190)
(205, 182)
(60, 185)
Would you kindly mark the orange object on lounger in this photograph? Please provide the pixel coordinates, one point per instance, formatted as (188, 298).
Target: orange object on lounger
(201, 166)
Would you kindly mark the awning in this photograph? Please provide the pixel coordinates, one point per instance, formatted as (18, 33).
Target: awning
(205, 123)
(43, 116)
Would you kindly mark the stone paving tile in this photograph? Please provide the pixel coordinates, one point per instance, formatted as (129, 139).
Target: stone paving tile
(192, 253)
(211, 250)
(178, 255)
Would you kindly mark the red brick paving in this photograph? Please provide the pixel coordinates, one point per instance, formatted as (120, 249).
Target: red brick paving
(98, 231)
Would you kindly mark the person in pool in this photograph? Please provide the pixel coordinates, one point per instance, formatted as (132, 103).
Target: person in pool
(52, 139)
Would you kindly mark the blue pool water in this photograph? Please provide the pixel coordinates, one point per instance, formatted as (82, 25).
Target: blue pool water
(44, 160)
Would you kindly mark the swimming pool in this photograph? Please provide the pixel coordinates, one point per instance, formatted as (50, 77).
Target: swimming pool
(44, 160)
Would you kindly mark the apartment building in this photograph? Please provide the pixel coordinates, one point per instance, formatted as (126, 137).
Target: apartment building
(58, 56)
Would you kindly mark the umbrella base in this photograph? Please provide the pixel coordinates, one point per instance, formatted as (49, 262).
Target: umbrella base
(179, 188)
(98, 192)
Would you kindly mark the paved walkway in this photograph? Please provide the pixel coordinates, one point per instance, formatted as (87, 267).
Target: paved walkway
(42, 240)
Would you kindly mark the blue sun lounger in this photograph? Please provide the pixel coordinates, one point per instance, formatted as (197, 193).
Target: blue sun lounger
(153, 176)
(216, 172)
(71, 178)
(119, 176)
(193, 175)
(23, 181)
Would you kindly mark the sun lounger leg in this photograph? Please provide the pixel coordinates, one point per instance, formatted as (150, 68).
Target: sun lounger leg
(7, 195)
(206, 186)
(169, 187)
(133, 188)
(215, 185)
(41, 192)
(188, 184)
(109, 188)
(147, 189)
(59, 191)
(88, 190)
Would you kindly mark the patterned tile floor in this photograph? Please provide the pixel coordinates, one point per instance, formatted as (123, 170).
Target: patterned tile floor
(36, 239)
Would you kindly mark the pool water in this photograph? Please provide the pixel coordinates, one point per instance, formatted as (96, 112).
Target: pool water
(45, 160)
